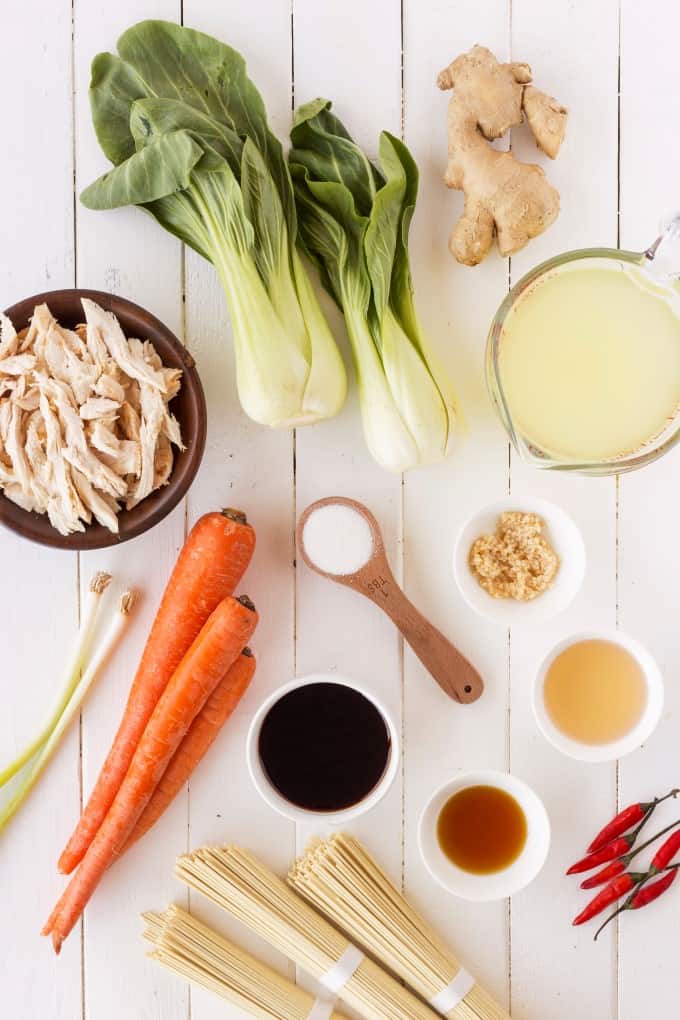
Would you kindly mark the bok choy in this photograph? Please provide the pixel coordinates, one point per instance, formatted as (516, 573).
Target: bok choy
(354, 220)
(187, 132)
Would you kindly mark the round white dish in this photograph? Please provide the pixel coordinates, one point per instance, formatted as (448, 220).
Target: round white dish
(499, 884)
(563, 535)
(632, 740)
(271, 795)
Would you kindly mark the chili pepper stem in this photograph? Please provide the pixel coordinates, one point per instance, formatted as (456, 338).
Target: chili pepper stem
(628, 905)
(643, 846)
(640, 812)
(626, 858)
(619, 910)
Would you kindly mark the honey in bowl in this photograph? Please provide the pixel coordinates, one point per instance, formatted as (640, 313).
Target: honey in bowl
(482, 829)
(595, 692)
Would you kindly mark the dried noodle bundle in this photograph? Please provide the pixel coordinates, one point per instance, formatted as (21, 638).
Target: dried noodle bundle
(239, 883)
(196, 952)
(343, 881)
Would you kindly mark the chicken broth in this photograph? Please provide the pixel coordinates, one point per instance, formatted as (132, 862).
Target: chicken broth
(589, 362)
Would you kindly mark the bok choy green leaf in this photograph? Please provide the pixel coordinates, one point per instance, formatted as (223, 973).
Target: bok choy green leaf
(187, 132)
(354, 220)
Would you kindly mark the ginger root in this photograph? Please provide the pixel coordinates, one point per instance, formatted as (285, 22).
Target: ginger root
(502, 195)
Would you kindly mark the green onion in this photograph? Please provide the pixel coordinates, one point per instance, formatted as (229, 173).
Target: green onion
(71, 703)
(98, 586)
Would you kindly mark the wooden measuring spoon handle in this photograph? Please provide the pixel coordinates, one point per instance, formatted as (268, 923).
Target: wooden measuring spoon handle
(455, 675)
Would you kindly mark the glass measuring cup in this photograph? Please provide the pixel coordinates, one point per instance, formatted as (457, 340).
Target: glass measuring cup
(656, 272)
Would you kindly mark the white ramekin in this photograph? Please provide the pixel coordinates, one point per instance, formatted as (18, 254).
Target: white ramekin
(271, 795)
(617, 748)
(565, 538)
(499, 884)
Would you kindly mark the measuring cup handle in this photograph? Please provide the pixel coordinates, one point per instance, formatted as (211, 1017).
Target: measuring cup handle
(455, 675)
(662, 259)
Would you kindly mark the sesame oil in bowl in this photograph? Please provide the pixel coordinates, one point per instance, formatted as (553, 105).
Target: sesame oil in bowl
(482, 829)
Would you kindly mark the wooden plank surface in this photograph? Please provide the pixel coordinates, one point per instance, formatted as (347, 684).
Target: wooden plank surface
(455, 303)
(127, 253)
(576, 62)
(38, 587)
(616, 173)
(251, 468)
(649, 557)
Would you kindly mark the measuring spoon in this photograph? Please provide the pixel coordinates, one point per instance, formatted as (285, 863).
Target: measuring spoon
(374, 579)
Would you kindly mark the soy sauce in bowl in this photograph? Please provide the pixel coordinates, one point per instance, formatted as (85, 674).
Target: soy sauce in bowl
(324, 746)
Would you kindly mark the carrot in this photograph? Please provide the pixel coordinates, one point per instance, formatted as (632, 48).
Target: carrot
(201, 735)
(199, 738)
(216, 648)
(212, 562)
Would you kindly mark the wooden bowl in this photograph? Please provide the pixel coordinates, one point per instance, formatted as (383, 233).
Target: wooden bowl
(188, 407)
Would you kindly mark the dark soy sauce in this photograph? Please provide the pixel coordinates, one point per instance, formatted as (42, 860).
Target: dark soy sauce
(324, 746)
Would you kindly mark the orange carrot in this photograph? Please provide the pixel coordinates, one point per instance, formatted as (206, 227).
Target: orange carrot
(201, 734)
(211, 564)
(216, 648)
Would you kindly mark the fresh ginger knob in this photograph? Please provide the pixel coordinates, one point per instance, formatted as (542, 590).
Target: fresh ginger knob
(503, 196)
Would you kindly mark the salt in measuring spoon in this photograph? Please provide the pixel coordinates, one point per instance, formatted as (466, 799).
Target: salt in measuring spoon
(362, 565)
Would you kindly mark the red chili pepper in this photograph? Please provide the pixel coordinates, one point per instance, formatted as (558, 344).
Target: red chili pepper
(610, 894)
(669, 849)
(625, 819)
(643, 897)
(666, 852)
(617, 848)
(644, 894)
(606, 875)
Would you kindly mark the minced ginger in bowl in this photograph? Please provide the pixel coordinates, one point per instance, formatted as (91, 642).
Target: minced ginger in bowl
(517, 561)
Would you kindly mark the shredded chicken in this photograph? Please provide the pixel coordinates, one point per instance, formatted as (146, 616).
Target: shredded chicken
(96, 408)
(108, 386)
(102, 437)
(19, 364)
(85, 427)
(9, 341)
(106, 326)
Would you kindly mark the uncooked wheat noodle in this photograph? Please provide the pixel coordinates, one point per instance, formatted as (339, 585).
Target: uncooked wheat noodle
(239, 883)
(195, 952)
(341, 879)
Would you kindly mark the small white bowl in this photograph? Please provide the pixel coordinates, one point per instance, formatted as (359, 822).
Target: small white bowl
(564, 537)
(631, 741)
(271, 795)
(499, 884)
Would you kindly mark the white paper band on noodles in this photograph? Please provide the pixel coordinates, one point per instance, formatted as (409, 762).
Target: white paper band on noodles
(454, 993)
(322, 1009)
(335, 979)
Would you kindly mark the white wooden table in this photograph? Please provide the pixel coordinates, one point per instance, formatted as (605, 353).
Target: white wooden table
(615, 66)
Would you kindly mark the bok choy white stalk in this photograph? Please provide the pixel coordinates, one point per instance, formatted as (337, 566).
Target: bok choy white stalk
(187, 133)
(354, 221)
